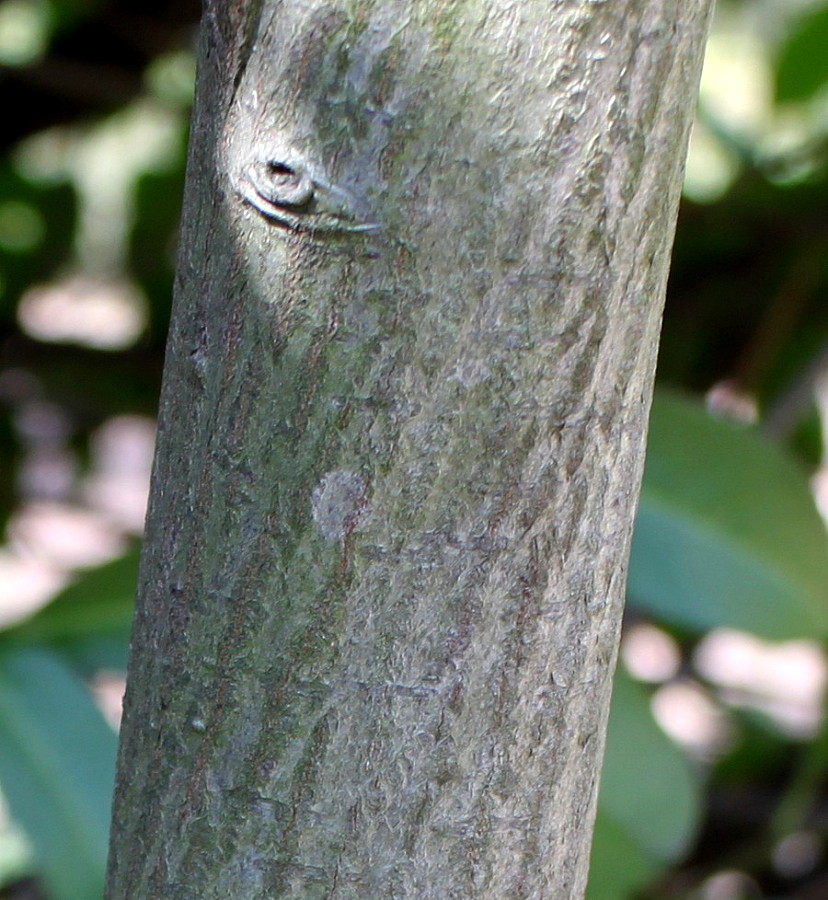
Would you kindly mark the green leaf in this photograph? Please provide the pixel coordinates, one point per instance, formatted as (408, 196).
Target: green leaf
(727, 532)
(647, 786)
(618, 865)
(802, 68)
(57, 761)
(89, 656)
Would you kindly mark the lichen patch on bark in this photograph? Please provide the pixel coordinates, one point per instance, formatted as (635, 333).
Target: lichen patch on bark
(339, 505)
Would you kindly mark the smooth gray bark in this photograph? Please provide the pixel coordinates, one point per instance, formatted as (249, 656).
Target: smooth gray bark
(424, 253)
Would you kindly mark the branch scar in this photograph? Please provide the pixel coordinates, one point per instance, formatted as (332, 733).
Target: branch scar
(289, 192)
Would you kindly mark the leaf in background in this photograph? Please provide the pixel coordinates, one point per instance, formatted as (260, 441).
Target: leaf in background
(802, 68)
(89, 622)
(618, 865)
(648, 789)
(57, 763)
(727, 532)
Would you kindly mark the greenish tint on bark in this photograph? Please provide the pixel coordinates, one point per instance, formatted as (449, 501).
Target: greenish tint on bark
(423, 258)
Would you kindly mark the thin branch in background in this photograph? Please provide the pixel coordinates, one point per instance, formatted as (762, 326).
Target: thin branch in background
(785, 310)
(793, 405)
(735, 397)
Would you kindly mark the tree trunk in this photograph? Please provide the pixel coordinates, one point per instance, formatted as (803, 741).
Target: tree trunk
(423, 258)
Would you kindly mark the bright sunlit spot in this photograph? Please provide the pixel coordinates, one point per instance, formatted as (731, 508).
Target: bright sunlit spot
(736, 79)
(25, 585)
(738, 121)
(730, 885)
(798, 853)
(819, 482)
(104, 162)
(64, 536)
(122, 451)
(171, 77)
(690, 716)
(735, 89)
(106, 315)
(650, 654)
(786, 680)
(24, 31)
(710, 168)
(108, 689)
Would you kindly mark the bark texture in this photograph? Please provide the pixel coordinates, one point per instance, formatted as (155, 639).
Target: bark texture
(424, 252)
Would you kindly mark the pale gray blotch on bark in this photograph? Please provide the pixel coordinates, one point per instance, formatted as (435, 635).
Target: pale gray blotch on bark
(340, 505)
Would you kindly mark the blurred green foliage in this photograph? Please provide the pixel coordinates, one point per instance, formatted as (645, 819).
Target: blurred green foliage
(728, 536)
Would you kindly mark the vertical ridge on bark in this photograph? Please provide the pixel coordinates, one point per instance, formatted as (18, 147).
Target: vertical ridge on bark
(401, 435)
